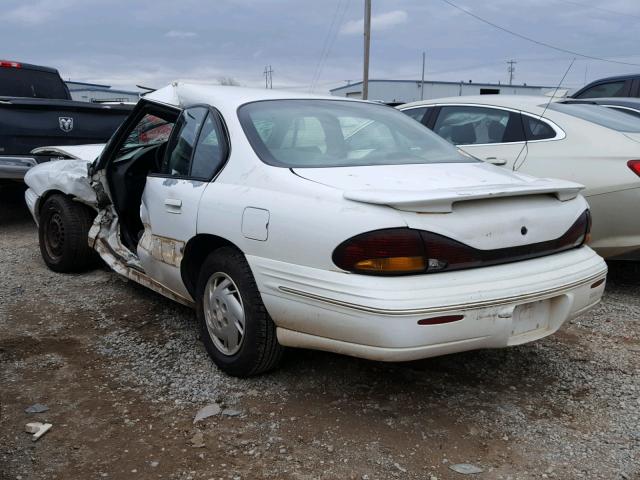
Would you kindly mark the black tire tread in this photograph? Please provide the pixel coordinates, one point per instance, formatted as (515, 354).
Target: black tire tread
(268, 352)
(78, 219)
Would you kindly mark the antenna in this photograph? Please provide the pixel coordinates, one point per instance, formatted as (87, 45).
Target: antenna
(547, 106)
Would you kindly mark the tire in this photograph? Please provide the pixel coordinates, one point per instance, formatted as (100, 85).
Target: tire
(64, 233)
(228, 282)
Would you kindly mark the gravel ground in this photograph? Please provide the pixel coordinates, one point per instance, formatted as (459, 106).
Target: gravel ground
(123, 374)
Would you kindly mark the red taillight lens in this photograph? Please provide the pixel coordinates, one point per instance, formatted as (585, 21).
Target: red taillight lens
(8, 64)
(391, 251)
(634, 165)
(403, 251)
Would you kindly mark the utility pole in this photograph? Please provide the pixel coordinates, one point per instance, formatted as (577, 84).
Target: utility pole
(422, 82)
(268, 76)
(367, 44)
(511, 69)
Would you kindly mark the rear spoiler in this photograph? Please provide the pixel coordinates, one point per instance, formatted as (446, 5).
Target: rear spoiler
(442, 200)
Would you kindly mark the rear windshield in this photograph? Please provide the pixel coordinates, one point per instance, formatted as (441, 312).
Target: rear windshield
(328, 133)
(599, 115)
(24, 82)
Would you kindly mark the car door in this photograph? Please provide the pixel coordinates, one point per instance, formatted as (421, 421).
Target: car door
(169, 210)
(494, 135)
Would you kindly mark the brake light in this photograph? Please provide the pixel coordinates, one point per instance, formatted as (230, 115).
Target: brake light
(404, 251)
(634, 165)
(8, 64)
(390, 251)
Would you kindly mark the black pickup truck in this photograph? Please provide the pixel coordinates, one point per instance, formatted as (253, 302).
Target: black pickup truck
(36, 110)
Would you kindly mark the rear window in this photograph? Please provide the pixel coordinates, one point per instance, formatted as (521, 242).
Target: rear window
(328, 133)
(24, 82)
(603, 116)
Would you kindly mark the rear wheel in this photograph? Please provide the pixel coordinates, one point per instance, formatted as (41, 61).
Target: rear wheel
(236, 329)
(64, 232)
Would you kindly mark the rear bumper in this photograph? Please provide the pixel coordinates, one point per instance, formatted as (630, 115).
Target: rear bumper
(377, 318)
(14, 167)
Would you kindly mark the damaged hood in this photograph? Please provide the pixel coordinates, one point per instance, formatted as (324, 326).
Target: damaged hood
(434, 188)
(78, 152)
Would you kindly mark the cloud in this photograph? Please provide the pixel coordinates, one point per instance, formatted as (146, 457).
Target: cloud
(384, 21)
(38, 13)
(180, 34)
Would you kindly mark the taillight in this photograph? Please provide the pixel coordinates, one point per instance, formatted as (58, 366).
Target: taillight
(404, 251)
(8, 64)
(634, 165)
(392, 251)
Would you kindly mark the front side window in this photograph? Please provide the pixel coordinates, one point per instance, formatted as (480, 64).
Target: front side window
(603, 116)
(471, 125)
(149, 131)
(335, 133)
(180, 148)
(211, 149)
(611, 89)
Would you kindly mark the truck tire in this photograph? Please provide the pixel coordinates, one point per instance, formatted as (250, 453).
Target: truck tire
(64, 234)
(236, 329)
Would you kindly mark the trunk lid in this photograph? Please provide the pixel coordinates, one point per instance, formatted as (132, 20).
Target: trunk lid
(491, 207)
(434, 188)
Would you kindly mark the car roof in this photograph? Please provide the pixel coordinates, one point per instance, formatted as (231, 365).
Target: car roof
(223, 96)
(613, 78)
(621, 101)
(527, 102)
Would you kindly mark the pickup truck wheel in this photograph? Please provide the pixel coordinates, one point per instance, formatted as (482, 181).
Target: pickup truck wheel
(64, 232)
(236, 329)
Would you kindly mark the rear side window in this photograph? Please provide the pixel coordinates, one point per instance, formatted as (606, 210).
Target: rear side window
(536, 129)
(472, 125)
(211, 149)
(24, 82)
(611, 89)
(416, 113)
(181, 145)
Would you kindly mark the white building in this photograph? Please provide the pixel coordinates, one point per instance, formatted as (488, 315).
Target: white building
(404, 91)
(94, 92)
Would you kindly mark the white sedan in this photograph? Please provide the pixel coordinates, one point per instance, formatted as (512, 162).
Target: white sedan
(592, 145)
(284, 224)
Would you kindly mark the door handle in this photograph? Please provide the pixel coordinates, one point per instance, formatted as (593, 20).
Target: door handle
(496, 160)
(173, 205)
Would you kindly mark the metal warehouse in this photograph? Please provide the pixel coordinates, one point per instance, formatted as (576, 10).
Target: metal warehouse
(95, 92)
(403, 91)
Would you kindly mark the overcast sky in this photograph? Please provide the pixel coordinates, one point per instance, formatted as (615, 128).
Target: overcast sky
(151, 42)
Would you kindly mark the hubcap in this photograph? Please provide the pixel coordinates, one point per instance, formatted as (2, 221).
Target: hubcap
(54, 235)
(224, 313)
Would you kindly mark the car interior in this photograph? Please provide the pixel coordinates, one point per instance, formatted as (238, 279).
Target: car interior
(141, 153)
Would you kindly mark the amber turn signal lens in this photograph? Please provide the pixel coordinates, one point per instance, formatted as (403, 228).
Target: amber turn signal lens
(392, 264)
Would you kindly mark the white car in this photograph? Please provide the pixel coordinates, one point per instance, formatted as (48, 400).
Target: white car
(252, 207)
(595, 146)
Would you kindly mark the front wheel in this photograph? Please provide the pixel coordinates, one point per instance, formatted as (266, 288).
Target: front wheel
(63, 233)
(236, 329)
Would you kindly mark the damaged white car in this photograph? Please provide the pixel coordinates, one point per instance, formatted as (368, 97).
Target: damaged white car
(285, 223)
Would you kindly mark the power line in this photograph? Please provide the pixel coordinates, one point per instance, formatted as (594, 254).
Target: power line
(332, 33)
(606, 10)
(533, 40)
(324, 45)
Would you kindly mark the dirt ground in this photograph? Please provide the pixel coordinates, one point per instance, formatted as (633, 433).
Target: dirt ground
(123, 374)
